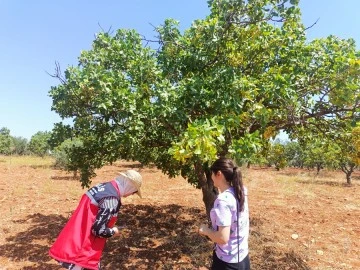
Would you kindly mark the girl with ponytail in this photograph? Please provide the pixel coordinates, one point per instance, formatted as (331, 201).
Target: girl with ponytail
(229, 218)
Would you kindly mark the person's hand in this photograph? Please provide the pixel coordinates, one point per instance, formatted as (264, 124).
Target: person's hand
(203, 229)
(116, 230)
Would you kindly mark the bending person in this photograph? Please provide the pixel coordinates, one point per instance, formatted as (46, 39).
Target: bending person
(82, 240)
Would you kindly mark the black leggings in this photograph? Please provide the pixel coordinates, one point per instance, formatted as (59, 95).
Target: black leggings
(221, 265)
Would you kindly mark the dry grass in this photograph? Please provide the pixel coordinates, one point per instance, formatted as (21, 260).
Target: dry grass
(27, 161)
(161, 228)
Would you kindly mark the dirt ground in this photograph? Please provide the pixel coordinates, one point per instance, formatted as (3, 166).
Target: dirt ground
(298, 220)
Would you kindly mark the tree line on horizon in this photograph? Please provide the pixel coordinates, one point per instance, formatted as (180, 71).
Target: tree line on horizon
(17, 145)
(315, 154)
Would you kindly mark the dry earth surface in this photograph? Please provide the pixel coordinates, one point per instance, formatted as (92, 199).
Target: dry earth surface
(298, 220)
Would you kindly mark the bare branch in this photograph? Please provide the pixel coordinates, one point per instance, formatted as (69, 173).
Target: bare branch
(312, 24)
(102, 29)
(58, 74)
(153, 26)
(150, 40)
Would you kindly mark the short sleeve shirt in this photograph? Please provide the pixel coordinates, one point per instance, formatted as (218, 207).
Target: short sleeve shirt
(224, 213)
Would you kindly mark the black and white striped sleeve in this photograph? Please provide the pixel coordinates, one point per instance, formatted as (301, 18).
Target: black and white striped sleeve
(107, 208)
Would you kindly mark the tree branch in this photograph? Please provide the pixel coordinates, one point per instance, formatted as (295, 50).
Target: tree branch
(312, 24)
(58, 74)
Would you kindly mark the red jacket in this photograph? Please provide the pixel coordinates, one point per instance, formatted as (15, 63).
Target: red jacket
(75, 243)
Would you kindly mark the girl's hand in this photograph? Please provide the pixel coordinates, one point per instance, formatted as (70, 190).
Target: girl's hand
(204, 229)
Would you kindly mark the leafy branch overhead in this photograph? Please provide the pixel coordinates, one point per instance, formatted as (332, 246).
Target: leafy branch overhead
(221, 87)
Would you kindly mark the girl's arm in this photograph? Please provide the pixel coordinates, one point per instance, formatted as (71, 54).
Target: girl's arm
(221, 236)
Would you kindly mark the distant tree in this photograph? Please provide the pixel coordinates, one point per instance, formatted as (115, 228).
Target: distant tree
(344, 160)
(67, 155)
(347, 152)
(276, 155)
(322, 152)
(259, 158)
(294, 154)
(20, 146)
(39, 145)
(5, 141)
(211, 90)
(314, 153)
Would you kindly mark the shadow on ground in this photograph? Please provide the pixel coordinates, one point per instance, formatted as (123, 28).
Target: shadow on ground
(33, 244)
(155, 237)
(325, 183)
(65, 178)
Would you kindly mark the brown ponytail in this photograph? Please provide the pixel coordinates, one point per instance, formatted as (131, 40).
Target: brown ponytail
(233, 175)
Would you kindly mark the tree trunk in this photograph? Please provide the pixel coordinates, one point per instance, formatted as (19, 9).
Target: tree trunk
(207, 187)
(348, 172)
(348, 178)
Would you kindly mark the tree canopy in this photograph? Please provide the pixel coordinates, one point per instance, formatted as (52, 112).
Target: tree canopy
(38, 144)
(5, 141)
(220, 88)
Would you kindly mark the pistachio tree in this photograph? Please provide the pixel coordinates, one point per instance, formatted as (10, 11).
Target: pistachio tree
(294, 154)
(320, 154)
(346, 145)
(219, 88)
(276, 155)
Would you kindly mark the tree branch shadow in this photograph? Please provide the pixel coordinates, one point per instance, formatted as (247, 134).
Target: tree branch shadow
(66, 178)
(158, 237)
(155, 237)
(324, 183)
(33, 244)
(135, 166)
(264, 255)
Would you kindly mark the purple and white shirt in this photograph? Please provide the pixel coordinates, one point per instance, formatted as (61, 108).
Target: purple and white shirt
(224, 213)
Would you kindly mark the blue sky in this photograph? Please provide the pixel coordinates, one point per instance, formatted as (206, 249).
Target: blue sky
(35, 34)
